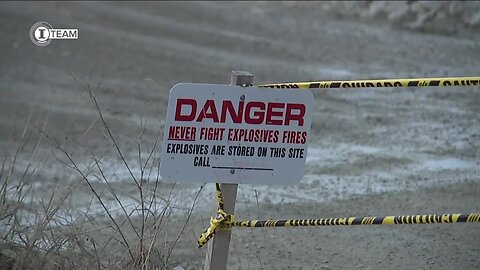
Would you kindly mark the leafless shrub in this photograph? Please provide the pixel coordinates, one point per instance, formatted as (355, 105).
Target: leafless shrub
(45, 234)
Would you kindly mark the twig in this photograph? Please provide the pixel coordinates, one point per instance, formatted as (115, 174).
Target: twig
(125, 242)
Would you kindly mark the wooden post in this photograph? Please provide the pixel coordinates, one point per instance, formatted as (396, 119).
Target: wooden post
(217, 247)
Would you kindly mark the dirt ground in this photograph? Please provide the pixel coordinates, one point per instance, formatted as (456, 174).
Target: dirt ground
(372, 151)
(440, 246)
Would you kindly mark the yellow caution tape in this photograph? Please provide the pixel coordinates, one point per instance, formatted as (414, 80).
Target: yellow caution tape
(386, 220)
(227, 221)
(222, 221)
(415, 82)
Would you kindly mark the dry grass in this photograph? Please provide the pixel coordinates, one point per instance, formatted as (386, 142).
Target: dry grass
(45, 234)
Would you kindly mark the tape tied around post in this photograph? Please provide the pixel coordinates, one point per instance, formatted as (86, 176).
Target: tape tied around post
(223, 220)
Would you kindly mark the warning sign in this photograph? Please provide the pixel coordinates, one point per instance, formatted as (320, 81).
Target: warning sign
(232, 134)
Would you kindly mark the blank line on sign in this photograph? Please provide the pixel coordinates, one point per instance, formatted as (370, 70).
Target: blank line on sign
(242, 168)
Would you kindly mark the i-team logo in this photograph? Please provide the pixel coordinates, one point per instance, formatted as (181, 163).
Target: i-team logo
(42, 33)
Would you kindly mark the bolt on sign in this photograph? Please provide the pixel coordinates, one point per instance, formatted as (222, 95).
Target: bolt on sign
(232, 134)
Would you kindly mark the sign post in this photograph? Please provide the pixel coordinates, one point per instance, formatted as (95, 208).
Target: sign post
(217, 248)
(233, 135)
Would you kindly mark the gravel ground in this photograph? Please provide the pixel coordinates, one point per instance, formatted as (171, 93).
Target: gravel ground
(372, 151)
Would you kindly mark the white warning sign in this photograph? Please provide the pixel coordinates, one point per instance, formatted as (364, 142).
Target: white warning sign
(232, 134)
